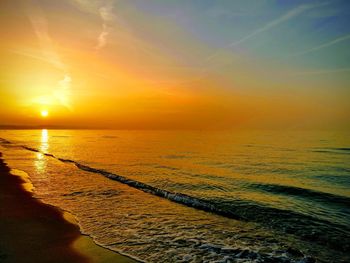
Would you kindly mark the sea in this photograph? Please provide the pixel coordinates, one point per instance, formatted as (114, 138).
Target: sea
(196, 196)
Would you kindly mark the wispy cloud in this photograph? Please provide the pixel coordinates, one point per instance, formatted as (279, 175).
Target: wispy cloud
(324, 45)
(40, 26)
(63, 91)
(321, 71)
(287, 16)
(33, 54)
(103, 9)
(106, 14)
(271, 24)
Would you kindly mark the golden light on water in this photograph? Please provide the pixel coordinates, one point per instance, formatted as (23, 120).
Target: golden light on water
(231, 102)
(44, 140)
(40, 162)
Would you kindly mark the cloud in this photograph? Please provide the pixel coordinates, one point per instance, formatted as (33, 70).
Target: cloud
(324, 45)
(40, 26)
(89, 6)
(289, 15)
(62, 92)
(48, 54)
(102, 38)
(34, 54)
(321, 71)
(273, 23)
(106, 14)
(103, 9)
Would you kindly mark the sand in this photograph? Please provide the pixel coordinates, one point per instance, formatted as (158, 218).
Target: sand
(31, 231)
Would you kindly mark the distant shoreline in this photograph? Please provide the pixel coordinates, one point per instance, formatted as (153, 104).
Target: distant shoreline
(32, 231)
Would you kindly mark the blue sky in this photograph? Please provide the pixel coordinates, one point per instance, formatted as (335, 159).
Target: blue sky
(218, 24)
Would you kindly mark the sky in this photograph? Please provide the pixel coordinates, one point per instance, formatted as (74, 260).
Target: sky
(184, 64)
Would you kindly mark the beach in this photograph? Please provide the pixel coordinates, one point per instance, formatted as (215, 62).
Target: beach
(32, 231)
(143, 194)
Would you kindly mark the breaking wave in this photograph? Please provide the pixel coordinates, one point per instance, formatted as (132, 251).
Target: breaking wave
(335, 236)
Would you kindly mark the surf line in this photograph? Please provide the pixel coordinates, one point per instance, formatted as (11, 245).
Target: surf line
(179, 198)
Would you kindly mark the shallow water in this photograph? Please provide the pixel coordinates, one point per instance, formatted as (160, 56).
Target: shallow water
(271, 195)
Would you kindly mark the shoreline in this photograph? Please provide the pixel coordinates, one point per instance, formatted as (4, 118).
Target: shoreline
(32, 231)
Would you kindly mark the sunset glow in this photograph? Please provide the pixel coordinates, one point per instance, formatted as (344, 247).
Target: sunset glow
(188, 64)
(175, 131)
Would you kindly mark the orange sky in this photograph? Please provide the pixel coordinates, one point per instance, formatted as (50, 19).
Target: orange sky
(120, 64)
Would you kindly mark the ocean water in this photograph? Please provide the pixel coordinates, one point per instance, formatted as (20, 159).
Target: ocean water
(196, 196)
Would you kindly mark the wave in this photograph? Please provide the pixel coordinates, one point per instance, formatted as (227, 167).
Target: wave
(109, 136)
(3, 141)
(175, 156)
(341, 180)
(333, 150)
(306, 227)
(342, 149)
(303, 193)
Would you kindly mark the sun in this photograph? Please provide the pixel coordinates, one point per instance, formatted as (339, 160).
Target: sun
(44, 113)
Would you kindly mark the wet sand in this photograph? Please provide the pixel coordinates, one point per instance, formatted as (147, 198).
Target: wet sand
(32, 231)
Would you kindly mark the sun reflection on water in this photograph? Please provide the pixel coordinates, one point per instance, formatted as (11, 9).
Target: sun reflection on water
(40, 162)
(44, 146)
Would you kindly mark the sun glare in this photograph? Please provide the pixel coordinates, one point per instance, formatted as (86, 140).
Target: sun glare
(44, 113)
